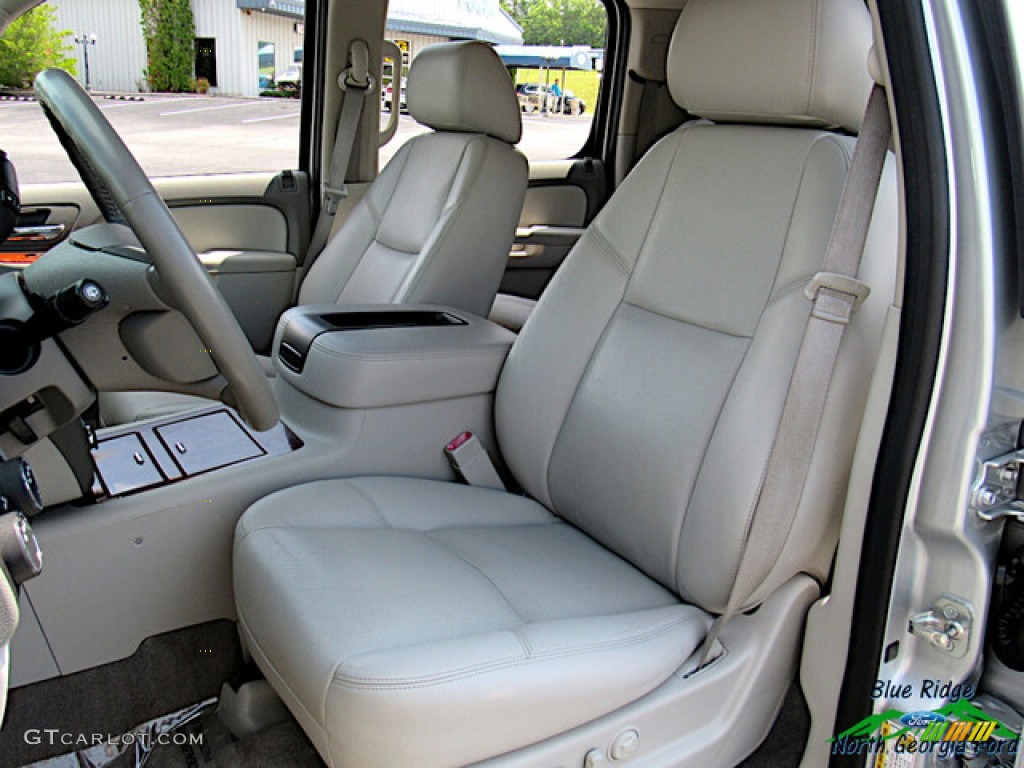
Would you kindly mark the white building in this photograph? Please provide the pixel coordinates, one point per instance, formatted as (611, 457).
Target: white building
(240, 44)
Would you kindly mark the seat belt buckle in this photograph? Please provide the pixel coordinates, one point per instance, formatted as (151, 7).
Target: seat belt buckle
(836, 297)
(471, 463)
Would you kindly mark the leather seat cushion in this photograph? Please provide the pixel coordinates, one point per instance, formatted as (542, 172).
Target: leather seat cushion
(424, 609)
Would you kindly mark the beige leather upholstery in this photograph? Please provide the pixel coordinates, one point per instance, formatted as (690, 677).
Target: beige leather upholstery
(421, 600)
(510, 311)
(792, 62)
(464, 87)
(437, 224)
(416, 622)
(380, 367)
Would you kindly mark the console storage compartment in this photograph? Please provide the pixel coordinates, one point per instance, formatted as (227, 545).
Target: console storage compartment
(135, 457)
(375, 356)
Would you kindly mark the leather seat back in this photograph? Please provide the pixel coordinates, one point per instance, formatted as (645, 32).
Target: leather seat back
(642, 398)
(437, 224)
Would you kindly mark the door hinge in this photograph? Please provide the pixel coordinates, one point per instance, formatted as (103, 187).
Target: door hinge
(947, 626)
(995, 495)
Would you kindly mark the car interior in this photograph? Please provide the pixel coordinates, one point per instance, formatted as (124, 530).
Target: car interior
(534, 464)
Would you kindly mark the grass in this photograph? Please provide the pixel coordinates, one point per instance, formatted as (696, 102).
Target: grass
(584, 83)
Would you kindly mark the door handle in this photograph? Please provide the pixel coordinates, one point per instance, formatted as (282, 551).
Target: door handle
(541, 234)
(44, 233)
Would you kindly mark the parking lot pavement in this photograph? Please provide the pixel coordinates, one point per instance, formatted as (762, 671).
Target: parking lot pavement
(181, 135)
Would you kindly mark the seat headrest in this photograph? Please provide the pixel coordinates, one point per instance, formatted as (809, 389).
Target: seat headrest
(783, 62)
(464, 87)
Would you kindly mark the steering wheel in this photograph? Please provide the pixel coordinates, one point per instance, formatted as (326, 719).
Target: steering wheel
(100, 153)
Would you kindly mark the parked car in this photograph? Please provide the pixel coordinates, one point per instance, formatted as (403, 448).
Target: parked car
(291, 79)
(572, 104)
(388, 98)
(534, 97)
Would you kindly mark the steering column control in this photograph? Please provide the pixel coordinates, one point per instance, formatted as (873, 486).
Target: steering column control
(20, 340)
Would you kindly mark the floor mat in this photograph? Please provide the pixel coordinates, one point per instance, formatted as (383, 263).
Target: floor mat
(168, 673)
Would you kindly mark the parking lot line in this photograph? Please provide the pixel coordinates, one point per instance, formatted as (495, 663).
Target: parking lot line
(209, 109)
(272, 117)
(142, 103)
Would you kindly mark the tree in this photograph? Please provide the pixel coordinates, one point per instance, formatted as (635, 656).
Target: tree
(31, 44)
(564, 22)
(169, 29)
(516, 8)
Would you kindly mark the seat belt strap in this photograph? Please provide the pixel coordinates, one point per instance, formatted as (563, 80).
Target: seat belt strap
(356, 83)
(835, 293)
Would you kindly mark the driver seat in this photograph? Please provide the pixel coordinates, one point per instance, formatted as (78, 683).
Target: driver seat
(418, 622)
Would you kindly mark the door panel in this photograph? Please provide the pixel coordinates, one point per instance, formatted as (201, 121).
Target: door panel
(233, 226)
(249, 229)
(244, 211)
(562, 198)
(256, 284)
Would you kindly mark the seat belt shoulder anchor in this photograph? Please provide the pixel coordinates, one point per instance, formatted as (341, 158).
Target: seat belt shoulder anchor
(347, 81)
(332, 196)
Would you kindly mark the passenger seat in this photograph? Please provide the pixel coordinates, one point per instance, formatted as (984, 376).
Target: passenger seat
(437, 224)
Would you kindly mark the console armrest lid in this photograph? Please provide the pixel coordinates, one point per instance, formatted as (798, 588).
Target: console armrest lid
(371, 356)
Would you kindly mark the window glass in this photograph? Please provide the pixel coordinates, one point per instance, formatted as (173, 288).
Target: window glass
(223, 99)
(553, 49)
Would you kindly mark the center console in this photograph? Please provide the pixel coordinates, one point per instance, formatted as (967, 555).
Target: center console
(379, 356)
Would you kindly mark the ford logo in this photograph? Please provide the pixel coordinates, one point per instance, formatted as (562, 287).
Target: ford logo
(920, 719)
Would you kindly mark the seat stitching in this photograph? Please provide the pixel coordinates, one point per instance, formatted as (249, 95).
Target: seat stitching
(402, 251)
(677, 540)
(280, 677)
(797, 285)
(378, 219)
(449, 214)
(482, 572)
(617, 257)
(598, 345)
(354, 485)
(454, 676)
(749, 517)
(462, 526)
(685, 321)
(812, 56)
(684, 134)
